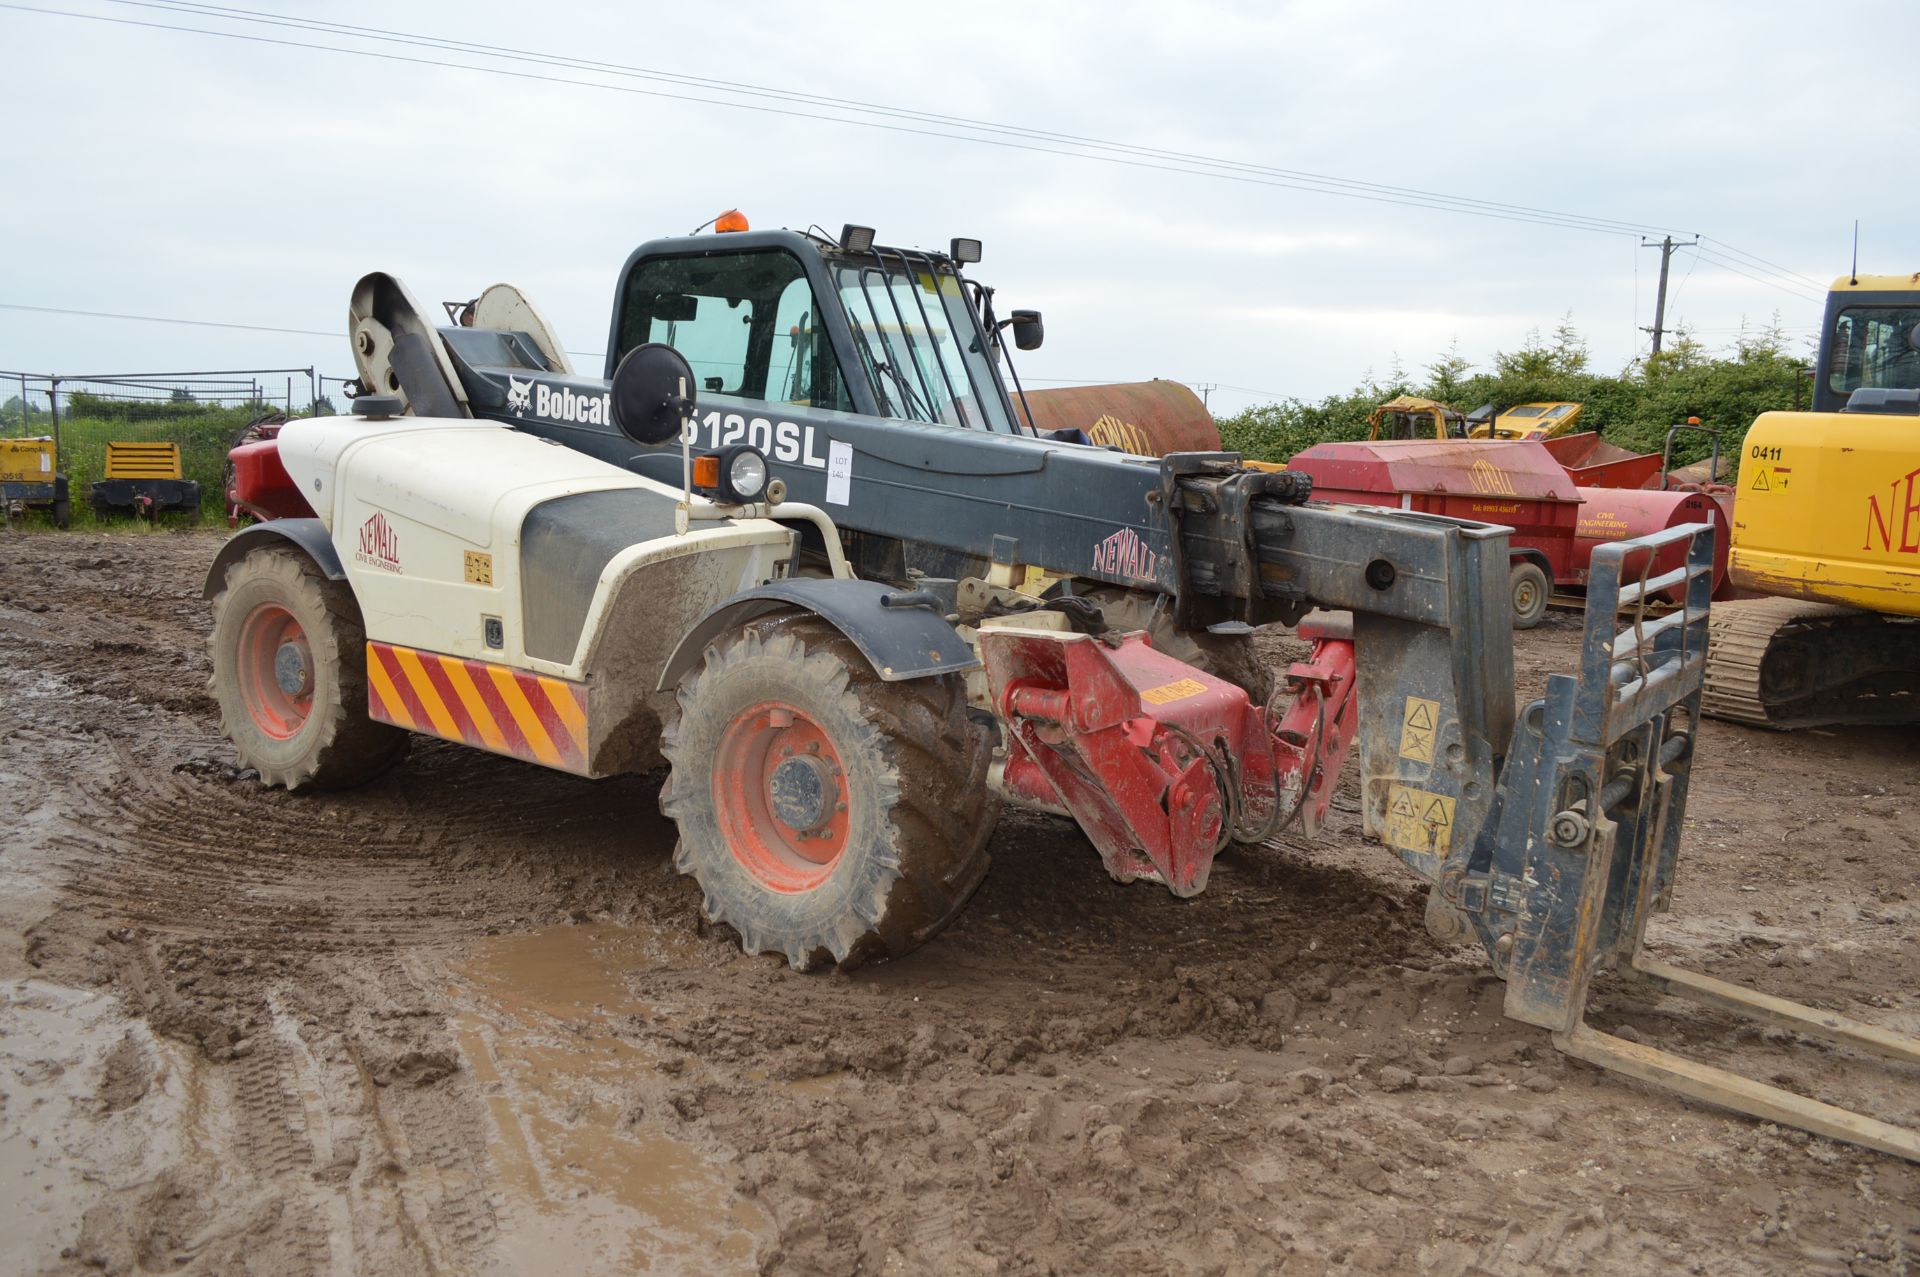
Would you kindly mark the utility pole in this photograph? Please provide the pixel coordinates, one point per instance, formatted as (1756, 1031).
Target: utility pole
(1666, 247)
(1206, 389)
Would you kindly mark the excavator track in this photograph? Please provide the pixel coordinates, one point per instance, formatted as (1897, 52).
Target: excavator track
(1788, 663)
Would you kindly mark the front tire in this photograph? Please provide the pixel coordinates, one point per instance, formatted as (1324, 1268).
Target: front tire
(290, 673)
(827, 815)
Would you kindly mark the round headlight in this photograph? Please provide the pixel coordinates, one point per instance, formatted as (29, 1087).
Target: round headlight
(743, 474)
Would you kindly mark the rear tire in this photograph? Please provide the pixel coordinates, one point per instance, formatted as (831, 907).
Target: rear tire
(827, 815)
(1530, 590)
(62, 512)
(290, 673)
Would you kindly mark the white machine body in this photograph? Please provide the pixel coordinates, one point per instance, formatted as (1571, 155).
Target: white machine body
(430, 519)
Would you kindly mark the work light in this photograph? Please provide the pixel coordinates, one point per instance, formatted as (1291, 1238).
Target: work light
(743, 473)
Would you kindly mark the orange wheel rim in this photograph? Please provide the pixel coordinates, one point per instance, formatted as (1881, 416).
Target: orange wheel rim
(275, 671)
(780, 793)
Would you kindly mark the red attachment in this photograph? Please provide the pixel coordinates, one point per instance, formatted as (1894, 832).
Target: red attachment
(261, 484)
(1154, 758)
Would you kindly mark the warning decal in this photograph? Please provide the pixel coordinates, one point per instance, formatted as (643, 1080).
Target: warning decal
(1172, 692)
(1418, 727)
(1418, 820)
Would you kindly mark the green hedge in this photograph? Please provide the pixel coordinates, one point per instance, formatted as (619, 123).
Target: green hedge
(1632, 408)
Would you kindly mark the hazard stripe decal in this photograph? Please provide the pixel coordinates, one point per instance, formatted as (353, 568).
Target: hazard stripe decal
(491, 707)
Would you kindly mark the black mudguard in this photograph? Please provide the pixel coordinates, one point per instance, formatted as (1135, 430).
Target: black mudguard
(309, 535)
(899, 642)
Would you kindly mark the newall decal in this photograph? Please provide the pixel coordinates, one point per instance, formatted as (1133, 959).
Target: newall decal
(379, 544)
(1125, 554)
(1895, 526)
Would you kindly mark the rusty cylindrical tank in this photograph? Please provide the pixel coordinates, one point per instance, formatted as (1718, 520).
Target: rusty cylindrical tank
(1616, 514)
(1149, 418)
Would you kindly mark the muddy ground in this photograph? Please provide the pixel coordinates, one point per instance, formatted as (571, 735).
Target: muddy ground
(467, 1020)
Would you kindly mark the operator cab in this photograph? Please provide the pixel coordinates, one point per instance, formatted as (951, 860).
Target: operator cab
(1870, 342)
(787, 319)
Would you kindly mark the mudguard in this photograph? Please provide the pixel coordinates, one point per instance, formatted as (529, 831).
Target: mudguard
(309, 535)
(899, 642)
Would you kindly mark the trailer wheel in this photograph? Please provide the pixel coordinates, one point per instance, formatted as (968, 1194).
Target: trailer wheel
(1530, 591)
(290, 674)
(1225, 656)
(62, 512)
(827, 815)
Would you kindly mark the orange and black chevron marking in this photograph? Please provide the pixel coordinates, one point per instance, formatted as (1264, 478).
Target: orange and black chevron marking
(508, 711)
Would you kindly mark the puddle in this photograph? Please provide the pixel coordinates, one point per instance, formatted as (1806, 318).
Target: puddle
(591, 1186)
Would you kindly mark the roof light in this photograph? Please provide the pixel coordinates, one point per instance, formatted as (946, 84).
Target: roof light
(964, 250)
(731, 220)
(856, 239)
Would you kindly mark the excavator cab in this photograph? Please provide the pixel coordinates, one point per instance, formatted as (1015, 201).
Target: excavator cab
(1870, 341)
(1411, 417)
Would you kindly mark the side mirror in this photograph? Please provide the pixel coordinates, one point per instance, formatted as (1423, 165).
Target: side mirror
(1913, 337)
(652, 393)
(1028, 331)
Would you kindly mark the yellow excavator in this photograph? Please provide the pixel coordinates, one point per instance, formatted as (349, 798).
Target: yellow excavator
(1411, 417)
(1547, 420)
(1827, 525)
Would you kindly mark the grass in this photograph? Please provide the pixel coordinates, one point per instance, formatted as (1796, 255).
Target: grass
(203, 436)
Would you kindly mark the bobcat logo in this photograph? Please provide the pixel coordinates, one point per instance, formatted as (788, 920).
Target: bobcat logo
(519, 395)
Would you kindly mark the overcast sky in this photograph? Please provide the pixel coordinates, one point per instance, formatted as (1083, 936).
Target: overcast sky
(193, 176)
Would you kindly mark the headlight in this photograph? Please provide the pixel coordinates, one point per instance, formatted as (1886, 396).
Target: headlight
(743, 474)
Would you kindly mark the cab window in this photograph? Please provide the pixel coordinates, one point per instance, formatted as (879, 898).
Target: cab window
(745, 322)
(1875, 346)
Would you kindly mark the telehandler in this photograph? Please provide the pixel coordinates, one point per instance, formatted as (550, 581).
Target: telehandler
(787, 552)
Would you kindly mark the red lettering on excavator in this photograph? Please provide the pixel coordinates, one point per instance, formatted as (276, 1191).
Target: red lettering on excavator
(1903, 508)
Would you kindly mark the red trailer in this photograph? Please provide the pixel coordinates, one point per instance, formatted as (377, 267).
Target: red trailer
(1546, 491)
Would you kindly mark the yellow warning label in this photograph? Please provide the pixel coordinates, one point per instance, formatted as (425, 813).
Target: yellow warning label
(479, 567)
(1418, 727)
(1173, 692)
(1418, 820)
(1760, 482)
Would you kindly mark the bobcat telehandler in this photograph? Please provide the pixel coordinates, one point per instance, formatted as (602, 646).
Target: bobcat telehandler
(788, 548)
(1828, 525)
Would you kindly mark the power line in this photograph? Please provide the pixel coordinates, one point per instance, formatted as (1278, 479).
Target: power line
(1728, 264)
(1726, 247)
(164, 319)
(1181, 162)
(388, 35)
